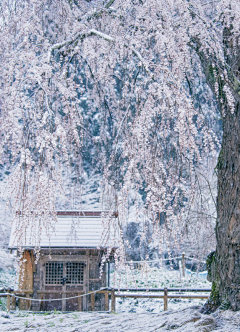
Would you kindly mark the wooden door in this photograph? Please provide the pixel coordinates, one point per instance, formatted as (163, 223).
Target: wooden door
(63, 279)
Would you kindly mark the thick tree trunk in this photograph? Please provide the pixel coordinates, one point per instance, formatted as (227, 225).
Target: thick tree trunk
(226, 286)
(226, 260)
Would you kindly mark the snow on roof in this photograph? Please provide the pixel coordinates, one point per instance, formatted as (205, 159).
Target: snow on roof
(73, 229)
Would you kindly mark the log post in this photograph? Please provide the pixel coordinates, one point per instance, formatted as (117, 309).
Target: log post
(106, 302)
(92, 301)
(113, 300)
(165, 299)
(183, 265)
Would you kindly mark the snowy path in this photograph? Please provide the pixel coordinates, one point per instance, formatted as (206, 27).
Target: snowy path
(182, 320)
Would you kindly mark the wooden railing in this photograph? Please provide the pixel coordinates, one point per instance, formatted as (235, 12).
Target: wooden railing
(113, 293)
(11, 296)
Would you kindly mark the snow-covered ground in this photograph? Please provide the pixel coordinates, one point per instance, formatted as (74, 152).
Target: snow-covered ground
(184, 320)
(155, 278)
(131, 315)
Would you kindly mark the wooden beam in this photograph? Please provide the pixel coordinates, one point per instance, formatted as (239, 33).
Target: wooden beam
(103, 292)
(156, 296)
(203, 290)
(188, 296)
(85, 213)
(23, 291)
(139, 296)
(97, 279)
(58, 292)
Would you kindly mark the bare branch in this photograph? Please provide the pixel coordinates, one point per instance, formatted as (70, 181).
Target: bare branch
(210, 189)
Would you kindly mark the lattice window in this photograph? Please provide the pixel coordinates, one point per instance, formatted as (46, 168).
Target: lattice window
(74, 273)
(54, 273)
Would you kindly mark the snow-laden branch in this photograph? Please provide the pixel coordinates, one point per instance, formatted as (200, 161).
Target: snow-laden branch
(81, 36)
(85, 17)
(101, 35)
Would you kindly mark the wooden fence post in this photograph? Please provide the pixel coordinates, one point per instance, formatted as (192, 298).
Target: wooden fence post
(183, 265)
(42, 306)
(13, 303)
(165, 299)
(106, 301)
(113, 300)
(93, 301)
(8, 302)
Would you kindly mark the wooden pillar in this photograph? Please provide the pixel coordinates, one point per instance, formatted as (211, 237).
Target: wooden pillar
(106, 302)
(183, 265)
(28, 302)
(165, 299)
(92, 301)
(113, 300)
(79, 303)
(25, 278)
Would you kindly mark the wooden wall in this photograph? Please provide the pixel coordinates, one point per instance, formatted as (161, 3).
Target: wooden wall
(92, 260)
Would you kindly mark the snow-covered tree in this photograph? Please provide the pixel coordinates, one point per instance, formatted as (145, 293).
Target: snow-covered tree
(113, 82)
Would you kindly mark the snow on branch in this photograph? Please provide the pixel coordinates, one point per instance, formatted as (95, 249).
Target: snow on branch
(102, 35)
(79, 36)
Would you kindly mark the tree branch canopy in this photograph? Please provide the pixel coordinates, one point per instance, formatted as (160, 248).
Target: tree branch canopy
(130, 95)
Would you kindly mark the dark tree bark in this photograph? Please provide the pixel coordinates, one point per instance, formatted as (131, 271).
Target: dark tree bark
(227, 276)
(226, 260)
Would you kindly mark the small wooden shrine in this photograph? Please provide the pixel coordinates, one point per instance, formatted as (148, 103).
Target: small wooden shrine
(67, 267)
